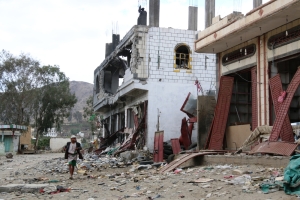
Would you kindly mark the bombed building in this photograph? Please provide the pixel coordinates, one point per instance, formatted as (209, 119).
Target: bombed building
(146, 76)
(258, 59)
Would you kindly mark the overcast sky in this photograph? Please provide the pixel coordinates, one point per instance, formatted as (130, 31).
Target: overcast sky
(73, 33)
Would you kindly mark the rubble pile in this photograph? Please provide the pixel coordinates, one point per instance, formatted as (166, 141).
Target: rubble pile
(125, 178)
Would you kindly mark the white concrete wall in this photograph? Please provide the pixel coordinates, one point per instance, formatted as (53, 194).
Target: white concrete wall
(57, 143)
(169, 93)
(168, 98)
(165, 40)
(16, 143)
(167, 87)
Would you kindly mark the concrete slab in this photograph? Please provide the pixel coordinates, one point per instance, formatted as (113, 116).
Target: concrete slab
(28, 188)
(267, 161)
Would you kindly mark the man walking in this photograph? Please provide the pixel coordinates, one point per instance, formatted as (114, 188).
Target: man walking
(72, 149)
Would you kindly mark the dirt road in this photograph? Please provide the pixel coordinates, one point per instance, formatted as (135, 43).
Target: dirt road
(120, 183)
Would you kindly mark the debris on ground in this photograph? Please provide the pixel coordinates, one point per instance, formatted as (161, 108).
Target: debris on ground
(116, 178)
(9, 155)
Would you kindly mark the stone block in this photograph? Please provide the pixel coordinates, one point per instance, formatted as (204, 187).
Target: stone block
(28, 188)
(129, 155)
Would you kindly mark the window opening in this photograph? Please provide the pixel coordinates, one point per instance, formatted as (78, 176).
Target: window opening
(182, 57)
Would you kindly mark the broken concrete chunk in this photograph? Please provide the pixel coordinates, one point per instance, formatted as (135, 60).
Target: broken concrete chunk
(9, 155)
(29, 188)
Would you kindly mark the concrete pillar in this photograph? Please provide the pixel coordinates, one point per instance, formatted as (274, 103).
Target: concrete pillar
(256, 3)
(108, 49)
(193, 18)
(115, 41)
(115, 81)
(154, 6)
(209, 12)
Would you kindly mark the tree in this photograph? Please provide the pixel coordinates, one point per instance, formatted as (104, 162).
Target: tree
(31, 92)
(75, 131)
(18, 81)
(70, 117)
(89, 114)
(78, 116)
(54, 100)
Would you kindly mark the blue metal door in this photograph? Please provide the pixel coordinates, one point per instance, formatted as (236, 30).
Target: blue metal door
(7, 143)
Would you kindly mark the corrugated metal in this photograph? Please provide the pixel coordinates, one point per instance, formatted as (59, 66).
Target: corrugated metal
(254, 98)
(175, 145)
(286, 133)
(279, 148)
(158, 152)
(221, 113)
(285, 105)
(176, 163)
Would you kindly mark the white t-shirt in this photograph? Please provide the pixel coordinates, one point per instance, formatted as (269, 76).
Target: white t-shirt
(72, 148)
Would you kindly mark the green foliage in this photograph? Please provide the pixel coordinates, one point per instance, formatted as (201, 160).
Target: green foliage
(74, 131)
(43, 143)
(83, 140)
(29, 91)
(78, 116)
(90, 115)
(19, 79)
(70, 117)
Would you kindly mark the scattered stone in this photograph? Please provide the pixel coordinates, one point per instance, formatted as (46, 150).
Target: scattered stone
(9, 155)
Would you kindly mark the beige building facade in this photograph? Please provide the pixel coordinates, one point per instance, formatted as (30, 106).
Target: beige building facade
(254, 48)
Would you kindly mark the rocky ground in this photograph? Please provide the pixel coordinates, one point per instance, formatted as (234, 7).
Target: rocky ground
(107, 178)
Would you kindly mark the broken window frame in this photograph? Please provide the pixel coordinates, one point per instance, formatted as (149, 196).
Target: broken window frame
(285, 37)
(180, 57)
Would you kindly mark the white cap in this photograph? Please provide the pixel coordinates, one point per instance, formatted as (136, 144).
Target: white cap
(73, 136)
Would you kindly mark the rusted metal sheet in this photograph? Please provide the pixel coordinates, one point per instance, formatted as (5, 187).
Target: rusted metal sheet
(286, 133)
(283, 109)
(254, 99)
(175, 145)
(158, 152)
(193, 120)
(185, 137)
(279, 148)
(175, 163)
(221, 113)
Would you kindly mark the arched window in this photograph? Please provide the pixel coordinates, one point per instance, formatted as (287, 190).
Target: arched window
(182, 57)
(97, 85)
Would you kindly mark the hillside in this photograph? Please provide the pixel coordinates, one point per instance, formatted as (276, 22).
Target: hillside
(82, 91)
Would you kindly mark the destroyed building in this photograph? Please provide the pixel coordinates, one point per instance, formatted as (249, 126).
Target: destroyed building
(258, 59)
(146, 76)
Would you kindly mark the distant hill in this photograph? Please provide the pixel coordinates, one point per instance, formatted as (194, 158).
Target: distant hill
(82, 91)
